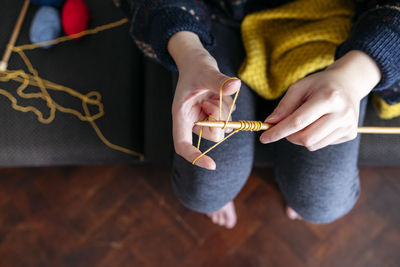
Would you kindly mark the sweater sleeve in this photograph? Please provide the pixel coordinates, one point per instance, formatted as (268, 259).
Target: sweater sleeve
(153, 22)
(377, 33)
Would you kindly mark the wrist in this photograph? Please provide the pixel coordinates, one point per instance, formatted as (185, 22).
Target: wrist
(186, 48)
(359, 70)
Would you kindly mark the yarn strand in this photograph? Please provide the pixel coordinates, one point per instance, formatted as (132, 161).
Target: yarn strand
(219, 118)
(214, 146)
(33, 79)
(75, 35)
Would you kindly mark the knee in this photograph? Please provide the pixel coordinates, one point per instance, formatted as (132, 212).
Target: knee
(197, 198)
(206, 191)
(325, 205)
(199, 192)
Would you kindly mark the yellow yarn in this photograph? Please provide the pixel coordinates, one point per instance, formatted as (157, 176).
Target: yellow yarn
(92, 98)
(384, 110)
(219, 116)
(285, 44)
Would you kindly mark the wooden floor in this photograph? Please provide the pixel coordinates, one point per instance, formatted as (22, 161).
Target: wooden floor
(123, 215)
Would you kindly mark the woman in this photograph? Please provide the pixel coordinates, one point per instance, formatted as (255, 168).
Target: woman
(320, 182)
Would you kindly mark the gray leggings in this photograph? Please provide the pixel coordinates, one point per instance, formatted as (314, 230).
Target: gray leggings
(320, 186)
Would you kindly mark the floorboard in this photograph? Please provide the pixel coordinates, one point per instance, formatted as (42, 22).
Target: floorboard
(127, 215)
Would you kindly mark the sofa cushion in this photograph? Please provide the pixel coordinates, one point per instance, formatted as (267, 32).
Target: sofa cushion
(107, 62)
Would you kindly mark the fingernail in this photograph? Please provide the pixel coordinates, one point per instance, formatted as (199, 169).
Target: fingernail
(311, 148)
(207, 165)
(232, 80)
(271, 117)
(264, 140)
(211, 167)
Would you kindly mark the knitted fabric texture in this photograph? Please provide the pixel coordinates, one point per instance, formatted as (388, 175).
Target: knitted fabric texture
(385, 110)
(286, 43)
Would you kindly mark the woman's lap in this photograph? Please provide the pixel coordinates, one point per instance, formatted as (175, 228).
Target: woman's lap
(321, 186)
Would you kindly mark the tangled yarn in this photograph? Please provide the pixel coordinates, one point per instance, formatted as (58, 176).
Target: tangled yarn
(32, 78)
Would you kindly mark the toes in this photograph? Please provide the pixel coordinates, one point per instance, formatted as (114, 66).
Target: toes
(221, 218)
(213, 217)
(231, 219)
(292, 214)
(216, 218)
(226, 216)
(231, 222)
(226, 219)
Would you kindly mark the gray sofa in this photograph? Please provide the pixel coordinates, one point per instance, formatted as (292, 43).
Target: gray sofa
(137, 95)
(108, 62)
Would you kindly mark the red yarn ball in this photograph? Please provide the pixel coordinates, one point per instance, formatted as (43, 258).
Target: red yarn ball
(75, 16)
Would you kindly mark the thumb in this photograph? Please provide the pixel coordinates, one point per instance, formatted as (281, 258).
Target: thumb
(229, 84)
(288, 104)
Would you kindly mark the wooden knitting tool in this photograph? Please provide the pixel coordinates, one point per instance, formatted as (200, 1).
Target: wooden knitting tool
(13, 39)
(261, 126)
(236, 125)
(378, 130)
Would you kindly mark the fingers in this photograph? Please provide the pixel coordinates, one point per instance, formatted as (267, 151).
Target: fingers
(182, 135)
(322, 133)
(216, 80)
(288, 104)
(333, 139)
(306, 114)
(314, 133)
(210, 133)
(185, 113)
(211, 107)
(231, 86)
(226, 105)
(351, 135)
(316, 111)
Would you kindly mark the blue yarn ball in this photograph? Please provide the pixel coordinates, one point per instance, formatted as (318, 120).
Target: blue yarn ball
(45, 26)
(55, 3)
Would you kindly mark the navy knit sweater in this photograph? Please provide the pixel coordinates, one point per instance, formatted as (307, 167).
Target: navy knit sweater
(376, 30)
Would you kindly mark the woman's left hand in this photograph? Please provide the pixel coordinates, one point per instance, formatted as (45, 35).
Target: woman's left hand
(322, 109)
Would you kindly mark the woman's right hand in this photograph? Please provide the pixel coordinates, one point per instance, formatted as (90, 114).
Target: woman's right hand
(197, 95)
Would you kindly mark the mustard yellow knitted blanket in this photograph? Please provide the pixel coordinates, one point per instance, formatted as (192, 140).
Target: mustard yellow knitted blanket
(285, 44)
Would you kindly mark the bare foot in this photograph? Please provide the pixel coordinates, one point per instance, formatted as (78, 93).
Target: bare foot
(225, 216)
(292, 214)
